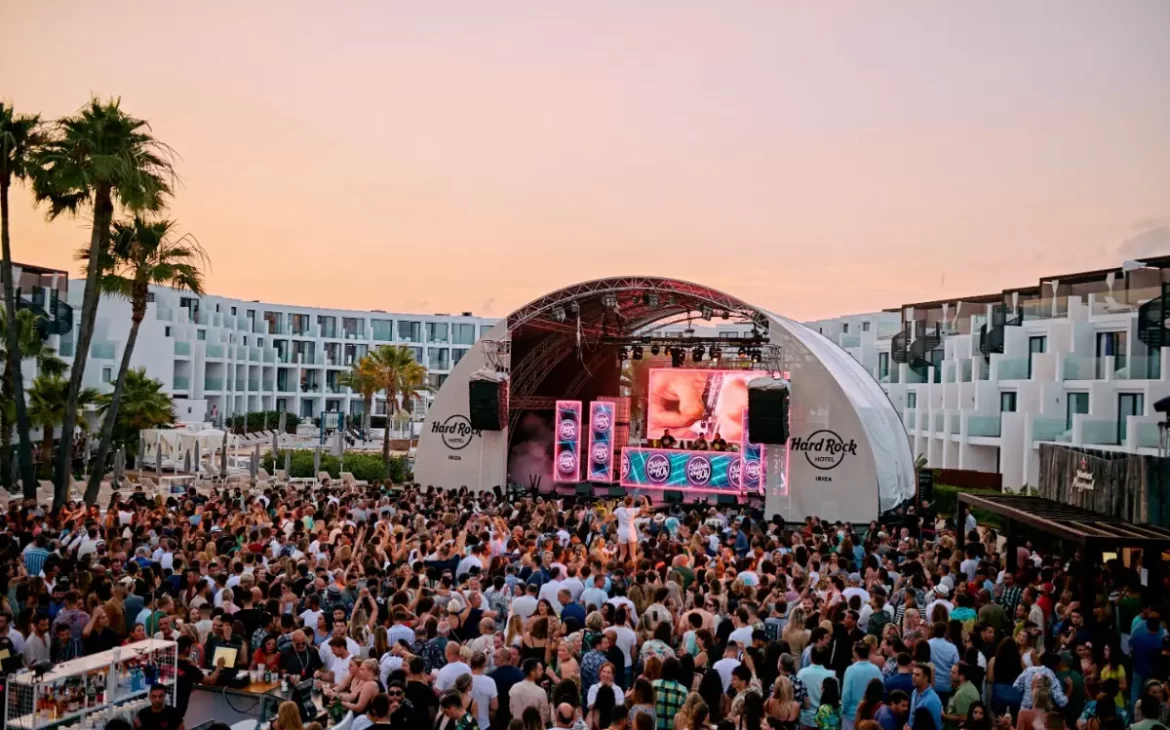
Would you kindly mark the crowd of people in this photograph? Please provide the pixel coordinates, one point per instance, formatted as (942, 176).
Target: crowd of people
(461, 610)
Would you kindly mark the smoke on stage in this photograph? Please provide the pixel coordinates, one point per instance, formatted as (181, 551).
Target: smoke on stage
(532, 451)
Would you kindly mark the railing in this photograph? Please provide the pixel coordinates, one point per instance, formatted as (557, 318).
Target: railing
(284, 387)
(334, 389)
(163, 313)
(254, 354)
(213, 383)
(1079, 368)
(102, 350)
(986, 426)
(949, 374)
(1148, 436)
(241, 352)
(182, 382)
(215, 351)
(65, 348)
(1140, 368)
(1049, 429)
(270, 356)
(1099, 432)
(911, 418)
(937, 422)
(382, 333)
(1012, 369)
(965, 371)
(182, 348)
(848, 341)
(330, 331)
(1122, 301)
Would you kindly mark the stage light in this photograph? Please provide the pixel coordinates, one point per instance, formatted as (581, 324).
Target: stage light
(637, 352)
(574, 307)
(755, 355)
(610, 301)
(716, 353)
(677, 357)
(705, 312)
(559, 314)
(622, 354)
(742, 351)
(697, 354)
(653, 299)
(725, 315)
(655, 349)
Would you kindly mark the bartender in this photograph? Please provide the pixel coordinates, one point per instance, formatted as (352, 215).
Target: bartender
(667, 440)
(299, 658)
(700, 444)
(717, 443)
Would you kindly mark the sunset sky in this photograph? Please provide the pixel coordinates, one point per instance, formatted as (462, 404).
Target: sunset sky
(813, 158)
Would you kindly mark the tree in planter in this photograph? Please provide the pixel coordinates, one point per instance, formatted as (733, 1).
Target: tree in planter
(140, 253)
(20, 136)
(362, 379)
(401, 377)
(144, 403)
(48, 406)
(33, 347)
(99, 158)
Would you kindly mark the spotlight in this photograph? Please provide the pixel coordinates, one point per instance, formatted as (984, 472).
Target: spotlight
(716, 353)
(574, 307)
(622, 354)
(637, 352)
(742, 351)
(559, 314)
(725, 314)
(609, 301)
(755, 355)
(697, 354)
(705, 312)
(653, 300)
(677, 357)
(655, 349)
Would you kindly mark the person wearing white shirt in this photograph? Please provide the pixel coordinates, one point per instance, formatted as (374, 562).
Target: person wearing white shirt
(336, 657)
(469, 562)
(483, 690)
(941, 591)
(390, 662)
(727, 664)
(524, 606)
(625, 639)
(339, 632)
(742, 633)
(452, 670)
(550, 589)
(573, 585)
(595, 595)
(621, 600)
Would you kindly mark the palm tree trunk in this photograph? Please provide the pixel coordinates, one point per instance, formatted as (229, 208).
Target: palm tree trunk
(367, 407)
(386, 431)
(103, 214)
(13, 365)
(99, 467)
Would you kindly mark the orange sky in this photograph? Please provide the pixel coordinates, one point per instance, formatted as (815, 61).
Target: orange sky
(450, 156)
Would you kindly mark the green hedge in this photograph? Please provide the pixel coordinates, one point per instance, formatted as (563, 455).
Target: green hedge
(946, 501)
(367, 467)
(260, 420)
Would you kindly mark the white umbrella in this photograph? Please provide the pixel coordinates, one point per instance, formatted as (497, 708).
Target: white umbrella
(119, 465)
(158, 453)
(198, 459)
(187, 462)
(223, 457)
(316, 460)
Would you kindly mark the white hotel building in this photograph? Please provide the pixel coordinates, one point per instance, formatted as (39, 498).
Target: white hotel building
(219, 356)
(981, 381)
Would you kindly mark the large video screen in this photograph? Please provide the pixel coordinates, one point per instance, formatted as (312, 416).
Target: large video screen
(693, 403)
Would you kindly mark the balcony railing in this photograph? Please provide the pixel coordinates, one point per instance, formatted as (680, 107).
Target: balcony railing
(965, 374)
(848, 341)
(182, 348)
(1148, 436)
(1050, 429)
(254, 354)
(215, 351)
(1012, 369)
(1099, 432)
(954, 422)
(102, 350)
(937, 422)
(66, 348)
(182, 382)
(213, 384)
(986, 426)
(1079, 368)
(911, 418)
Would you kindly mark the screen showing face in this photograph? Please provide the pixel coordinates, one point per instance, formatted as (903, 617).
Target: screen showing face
(693, 403)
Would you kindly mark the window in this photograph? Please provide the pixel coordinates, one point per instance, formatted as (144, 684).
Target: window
(383, 329)
(107, 375)
(418, 354)
(436, 331)
(436, 380)
(936, 360)
(201, 334)
(845, 328)
(728, 333)
(1110, 344)
(409, 331)
(167, 333)
(233, 311)
(1128, 404)
(149, 296)
(457, 355)
(1036, 345)
(484, 329)
(865, 326)
(217, 308)
(883, 365)
(463, 334)
(912, 399)
(1077, 403)
(1007, 401)
(437, 358)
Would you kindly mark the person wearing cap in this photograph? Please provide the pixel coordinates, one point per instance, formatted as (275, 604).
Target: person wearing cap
(941, 594)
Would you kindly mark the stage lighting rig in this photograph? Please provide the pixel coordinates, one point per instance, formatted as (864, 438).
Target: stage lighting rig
(652, 300)
(725, 314)
(558, 314)
(716, 353)
(655, 349)
(636, 352)
(609, 301)
(742, 351)
(704, 312)
(622, 354)
(677, 357)
(697, 354)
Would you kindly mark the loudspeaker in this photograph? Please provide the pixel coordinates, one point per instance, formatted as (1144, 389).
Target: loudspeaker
(584, 489)
(487, 404)
(672, 496)
(768, 415)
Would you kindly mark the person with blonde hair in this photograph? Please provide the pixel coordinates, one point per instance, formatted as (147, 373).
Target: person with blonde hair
(693, 713)
(288, 717)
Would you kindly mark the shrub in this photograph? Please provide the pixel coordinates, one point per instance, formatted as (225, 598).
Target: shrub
(367, 467)
(261, 420)
(946, 502)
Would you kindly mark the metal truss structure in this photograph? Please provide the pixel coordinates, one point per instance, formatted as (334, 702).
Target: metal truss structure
(498, 355)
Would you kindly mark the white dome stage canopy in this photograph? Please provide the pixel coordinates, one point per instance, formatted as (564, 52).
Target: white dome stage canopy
(848, 457)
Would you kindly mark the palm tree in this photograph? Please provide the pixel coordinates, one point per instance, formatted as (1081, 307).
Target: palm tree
(98, 158)
(144, 403)
(20, 136)
(140, 253)
(30, 345)
(395, 371)
(48, 406)
(362, 379)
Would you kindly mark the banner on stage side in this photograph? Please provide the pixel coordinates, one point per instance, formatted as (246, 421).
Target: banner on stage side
(567, 446)
(601, 435)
